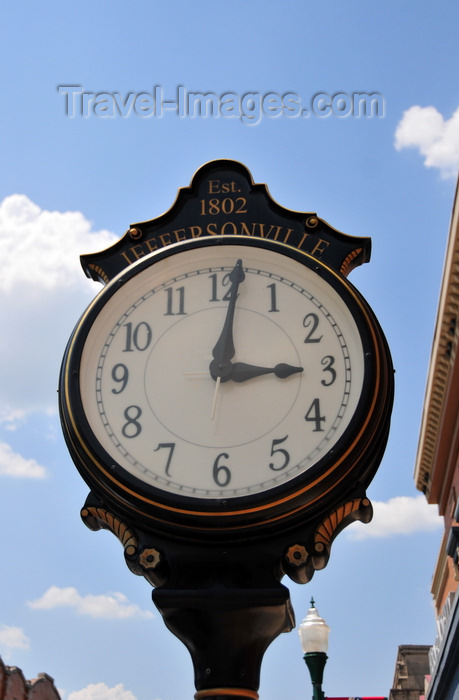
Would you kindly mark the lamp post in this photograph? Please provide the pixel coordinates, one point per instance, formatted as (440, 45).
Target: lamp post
(314, 633)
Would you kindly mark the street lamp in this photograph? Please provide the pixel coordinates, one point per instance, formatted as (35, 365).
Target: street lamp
(314, 633)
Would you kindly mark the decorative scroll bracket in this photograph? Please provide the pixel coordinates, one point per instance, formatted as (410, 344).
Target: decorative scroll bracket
(227, 626)
(302, 559)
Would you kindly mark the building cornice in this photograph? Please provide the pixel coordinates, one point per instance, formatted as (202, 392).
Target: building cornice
(442, 360)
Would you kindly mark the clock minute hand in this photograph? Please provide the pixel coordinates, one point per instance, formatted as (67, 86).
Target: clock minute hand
(224, 350)
(241, 371)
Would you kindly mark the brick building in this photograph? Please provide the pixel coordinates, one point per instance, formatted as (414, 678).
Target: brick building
(13, 685)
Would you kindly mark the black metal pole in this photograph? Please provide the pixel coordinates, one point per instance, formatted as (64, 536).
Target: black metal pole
(226, 632)
(315, 661)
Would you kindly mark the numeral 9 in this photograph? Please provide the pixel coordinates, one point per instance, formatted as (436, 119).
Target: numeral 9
(120, 374)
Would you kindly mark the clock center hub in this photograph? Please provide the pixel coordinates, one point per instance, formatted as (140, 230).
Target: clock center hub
(191, 375)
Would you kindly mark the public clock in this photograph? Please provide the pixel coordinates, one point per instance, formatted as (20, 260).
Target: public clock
(225, 384)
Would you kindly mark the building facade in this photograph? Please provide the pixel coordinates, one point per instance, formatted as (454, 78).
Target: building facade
(411, 670)
(14, 686)
(437, 471)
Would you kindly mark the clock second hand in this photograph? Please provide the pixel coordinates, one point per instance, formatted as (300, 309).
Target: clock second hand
(214, 403)
(217, 387)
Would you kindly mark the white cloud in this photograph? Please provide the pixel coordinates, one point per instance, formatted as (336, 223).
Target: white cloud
(402, 515)
(43, 292)
(12, 464)
(436, 138)
(10, 419)
(13, 638)
(109, 606)
(41, 248)
(100, 691)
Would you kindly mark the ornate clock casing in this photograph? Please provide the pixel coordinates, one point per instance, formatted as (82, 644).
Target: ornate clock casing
(227, 399)
(226, 386)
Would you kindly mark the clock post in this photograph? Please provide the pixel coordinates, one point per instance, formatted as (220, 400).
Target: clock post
(227, 399)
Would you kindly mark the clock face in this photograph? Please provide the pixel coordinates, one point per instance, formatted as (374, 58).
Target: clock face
(219, 372)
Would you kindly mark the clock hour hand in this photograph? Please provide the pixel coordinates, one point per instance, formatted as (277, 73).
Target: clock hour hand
(241, 372)
(224, 350)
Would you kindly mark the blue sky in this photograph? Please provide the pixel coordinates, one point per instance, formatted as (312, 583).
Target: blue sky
(72, 185)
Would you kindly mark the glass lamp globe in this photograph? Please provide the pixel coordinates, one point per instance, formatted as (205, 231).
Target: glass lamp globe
(313, 632)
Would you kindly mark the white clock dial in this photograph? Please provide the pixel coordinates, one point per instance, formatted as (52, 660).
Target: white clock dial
(286, 378)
